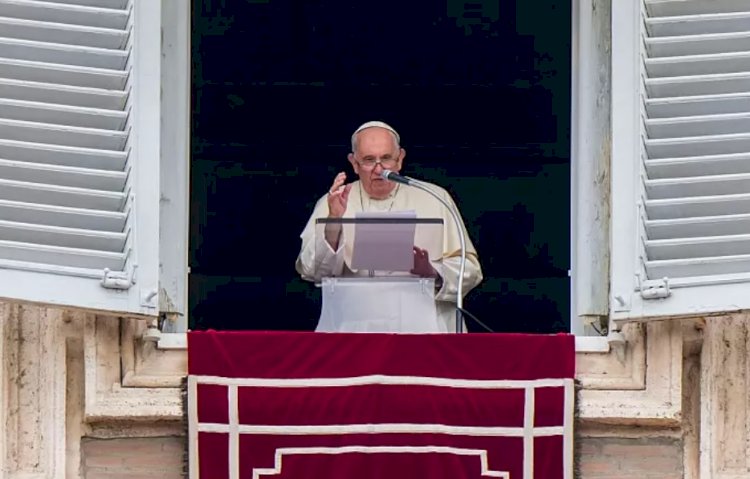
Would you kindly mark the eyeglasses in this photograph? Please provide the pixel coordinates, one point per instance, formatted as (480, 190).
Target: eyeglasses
(369, 163)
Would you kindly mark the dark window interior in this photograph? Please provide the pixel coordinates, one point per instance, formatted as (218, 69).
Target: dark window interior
(480, 93)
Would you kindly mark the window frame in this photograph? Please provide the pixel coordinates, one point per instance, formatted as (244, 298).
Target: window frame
(175, 158)
(590, 169)
(585, 276)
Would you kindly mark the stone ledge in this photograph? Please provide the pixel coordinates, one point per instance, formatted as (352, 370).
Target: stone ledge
(141, 404)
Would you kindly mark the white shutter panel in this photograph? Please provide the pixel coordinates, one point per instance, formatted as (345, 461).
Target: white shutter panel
(691, 174)
(78, 153)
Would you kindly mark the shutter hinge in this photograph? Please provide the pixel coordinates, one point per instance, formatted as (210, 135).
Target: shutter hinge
(655, 289)
(118, 279)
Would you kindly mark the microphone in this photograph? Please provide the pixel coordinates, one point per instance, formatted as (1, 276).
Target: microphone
(395, 177)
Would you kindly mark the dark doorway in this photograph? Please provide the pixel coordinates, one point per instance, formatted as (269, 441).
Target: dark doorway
(480, 93)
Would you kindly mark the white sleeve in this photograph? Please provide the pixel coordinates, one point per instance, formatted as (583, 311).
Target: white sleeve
(326, 262)
(448, 271)
(317, 259)
(449, 267)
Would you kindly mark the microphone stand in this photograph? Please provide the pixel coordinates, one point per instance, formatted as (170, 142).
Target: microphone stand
(387, 174)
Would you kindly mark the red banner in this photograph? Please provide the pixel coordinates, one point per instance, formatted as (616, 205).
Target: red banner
(318, 405)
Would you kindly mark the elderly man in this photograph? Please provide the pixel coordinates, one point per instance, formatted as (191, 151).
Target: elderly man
(375, 147)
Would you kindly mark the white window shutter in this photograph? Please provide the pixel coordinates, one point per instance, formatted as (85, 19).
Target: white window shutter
(681, 157)
(79, 153)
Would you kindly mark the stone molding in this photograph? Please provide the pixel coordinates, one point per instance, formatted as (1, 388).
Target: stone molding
(112, 395)
(643, 386)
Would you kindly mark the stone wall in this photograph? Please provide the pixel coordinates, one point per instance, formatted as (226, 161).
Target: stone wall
(84, 396)
(626, 458)
(74, 384)
(130, 458)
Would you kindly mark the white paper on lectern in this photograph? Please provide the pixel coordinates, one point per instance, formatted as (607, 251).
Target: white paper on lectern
(384, 246)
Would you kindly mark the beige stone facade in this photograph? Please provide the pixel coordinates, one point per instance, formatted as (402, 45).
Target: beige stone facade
(85, 396)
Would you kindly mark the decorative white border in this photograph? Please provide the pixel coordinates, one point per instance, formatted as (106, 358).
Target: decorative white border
(234, 433)
(385, 428)
(380, 379)
(528, 432)
(481, 453)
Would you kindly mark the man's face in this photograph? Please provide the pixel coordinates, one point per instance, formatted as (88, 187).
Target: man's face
(376, 150)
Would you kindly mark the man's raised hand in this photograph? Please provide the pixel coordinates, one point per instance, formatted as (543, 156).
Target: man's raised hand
(338, 196)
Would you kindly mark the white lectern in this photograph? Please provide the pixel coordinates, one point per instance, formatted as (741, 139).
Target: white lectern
(359, 294)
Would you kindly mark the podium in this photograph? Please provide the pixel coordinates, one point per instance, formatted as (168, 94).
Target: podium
(367, 285)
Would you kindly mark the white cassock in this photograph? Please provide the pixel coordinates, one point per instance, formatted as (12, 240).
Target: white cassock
(317, 259)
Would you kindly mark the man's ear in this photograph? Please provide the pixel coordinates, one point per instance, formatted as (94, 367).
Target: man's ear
(401, 156)
(355, 165)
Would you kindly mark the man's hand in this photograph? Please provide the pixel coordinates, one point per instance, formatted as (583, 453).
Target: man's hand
(338, 196)
(422, 265)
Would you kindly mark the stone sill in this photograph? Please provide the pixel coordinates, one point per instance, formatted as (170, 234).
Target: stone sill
(584, 344)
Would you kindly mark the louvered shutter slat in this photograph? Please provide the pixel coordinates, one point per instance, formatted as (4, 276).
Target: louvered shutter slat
(692, 207)
(696, 106)
(62, 115)
(698, 186)
(698, 65)
(712, 84)
(704, 24)
(64, 134)
(64, 237)
(63, 54)
(65, 12)
(696, 126)
(63, 175)
(59, 33)
(62, 94)
(54, 215)
(697, 227)
(698, 267)
(699, 247)
(698, 145)
(61, 195)
(698, 166)
(69, 75)
(94, 3)
(60, 256)
(63, 155)
(683, 46)
(696, 138)
(666, 8)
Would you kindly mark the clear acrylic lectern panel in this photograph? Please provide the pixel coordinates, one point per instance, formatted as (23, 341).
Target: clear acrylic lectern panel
(379, 305)
(368, 284)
